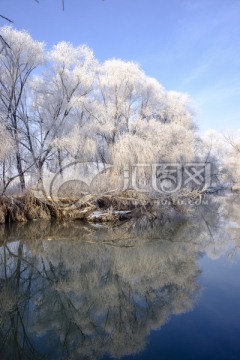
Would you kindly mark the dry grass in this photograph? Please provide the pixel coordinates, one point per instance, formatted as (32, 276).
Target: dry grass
(22, 209)
(28, 207)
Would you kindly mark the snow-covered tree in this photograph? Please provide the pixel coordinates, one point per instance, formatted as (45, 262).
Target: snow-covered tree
(6, 143)
(136, 120)
(232, 156)
(17, 62)
(75, 108)
(58, 119)
(223, 151)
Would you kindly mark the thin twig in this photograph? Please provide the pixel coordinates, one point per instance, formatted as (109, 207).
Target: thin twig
(5, 18)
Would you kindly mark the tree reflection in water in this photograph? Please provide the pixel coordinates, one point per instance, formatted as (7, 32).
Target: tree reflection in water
(70, 291)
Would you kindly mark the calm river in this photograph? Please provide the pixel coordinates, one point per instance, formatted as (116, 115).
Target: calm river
(140, 290)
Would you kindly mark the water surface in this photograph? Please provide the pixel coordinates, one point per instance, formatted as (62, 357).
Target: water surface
(141, 290)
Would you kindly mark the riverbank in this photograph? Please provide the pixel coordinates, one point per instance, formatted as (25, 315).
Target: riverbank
(90, 208)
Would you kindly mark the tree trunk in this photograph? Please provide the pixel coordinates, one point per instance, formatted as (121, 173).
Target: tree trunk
(20, 171)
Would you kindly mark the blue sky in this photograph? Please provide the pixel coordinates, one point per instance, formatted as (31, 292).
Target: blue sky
(188, 45)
